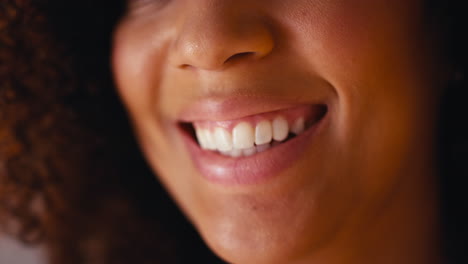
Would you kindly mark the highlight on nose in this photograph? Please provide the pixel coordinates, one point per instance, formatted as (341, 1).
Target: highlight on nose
(212, 47)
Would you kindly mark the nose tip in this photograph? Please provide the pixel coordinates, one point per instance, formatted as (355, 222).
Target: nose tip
(213, 45)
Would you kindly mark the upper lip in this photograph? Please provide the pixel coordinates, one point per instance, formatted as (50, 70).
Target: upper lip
(234, 107)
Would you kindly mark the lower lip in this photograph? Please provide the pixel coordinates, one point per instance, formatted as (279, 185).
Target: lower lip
(254, 169)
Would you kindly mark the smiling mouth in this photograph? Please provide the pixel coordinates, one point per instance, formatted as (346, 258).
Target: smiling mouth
(252, 149)
(254, 134)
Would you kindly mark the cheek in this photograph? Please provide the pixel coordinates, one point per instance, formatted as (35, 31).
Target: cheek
(138, 59)
(128, 73)
(372, 54)
(139, 66)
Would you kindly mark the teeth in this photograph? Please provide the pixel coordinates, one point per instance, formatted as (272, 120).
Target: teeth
(233, 153)
(298, 126)
(223, 139)
(263, 132)
(205, 139)
(201, 138)
(261, 148)
(245, 140)
(280, 129)
(236, 153)
(249, 151)
(210, 141)
(243, 136)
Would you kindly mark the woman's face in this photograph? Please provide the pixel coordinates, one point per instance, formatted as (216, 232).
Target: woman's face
(314, 118)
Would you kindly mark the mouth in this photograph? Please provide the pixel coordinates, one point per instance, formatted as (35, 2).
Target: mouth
(253, 134)
(253, 148)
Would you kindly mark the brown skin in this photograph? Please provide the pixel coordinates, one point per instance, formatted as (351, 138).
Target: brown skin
(364, 191)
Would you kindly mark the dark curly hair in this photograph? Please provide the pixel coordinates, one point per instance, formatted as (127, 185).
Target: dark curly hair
(71, 175)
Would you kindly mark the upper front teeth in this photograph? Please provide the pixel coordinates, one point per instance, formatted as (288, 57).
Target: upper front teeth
(245, 139)
(243, 136)
(263, 132)
(223, 139)
(280, 129)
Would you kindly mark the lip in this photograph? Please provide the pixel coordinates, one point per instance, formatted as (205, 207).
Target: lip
(255, 169)
(236, 107)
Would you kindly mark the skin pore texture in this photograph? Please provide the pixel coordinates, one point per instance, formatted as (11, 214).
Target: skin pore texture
(362, 188)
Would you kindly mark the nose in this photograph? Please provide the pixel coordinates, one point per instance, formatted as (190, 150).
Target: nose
(217, 33)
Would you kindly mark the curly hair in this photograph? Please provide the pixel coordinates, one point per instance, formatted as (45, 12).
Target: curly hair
(71, 175)
(70, 172)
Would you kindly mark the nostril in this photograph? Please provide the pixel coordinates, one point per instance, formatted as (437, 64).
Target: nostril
(238, 56)
(185, 66)
(233, 58)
